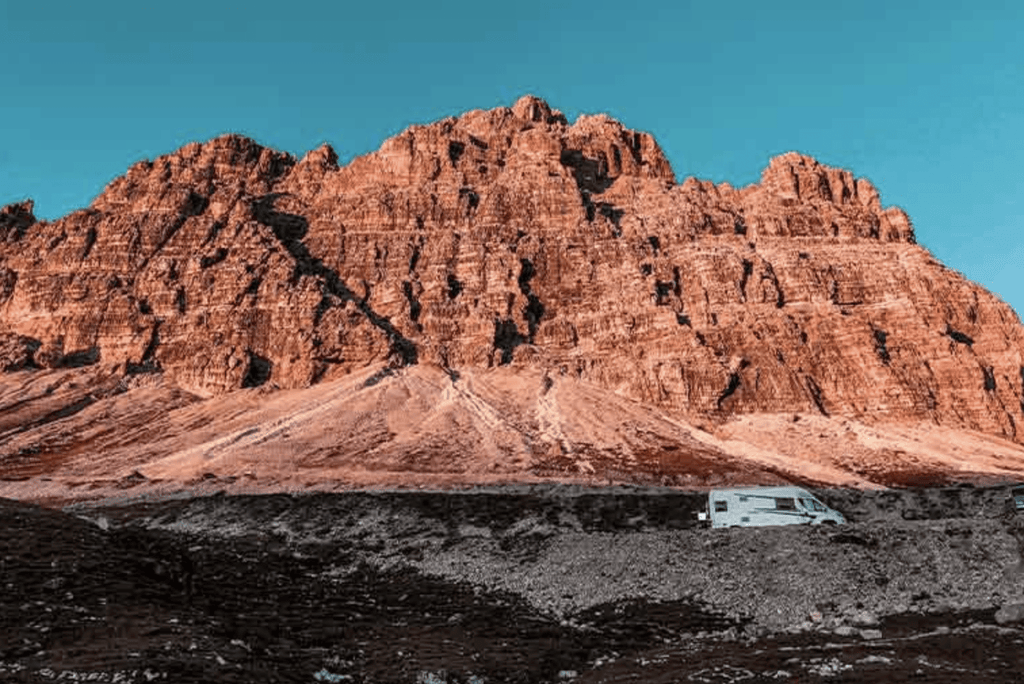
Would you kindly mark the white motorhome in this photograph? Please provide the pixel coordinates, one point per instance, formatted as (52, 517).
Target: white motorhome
(758, 506)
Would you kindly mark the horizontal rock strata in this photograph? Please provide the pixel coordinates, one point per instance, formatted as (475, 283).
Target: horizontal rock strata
(511, 237)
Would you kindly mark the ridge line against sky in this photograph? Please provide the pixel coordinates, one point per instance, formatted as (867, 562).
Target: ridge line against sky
(923, 99)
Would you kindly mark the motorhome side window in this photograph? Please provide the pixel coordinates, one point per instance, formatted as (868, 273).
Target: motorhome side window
(812, 505)
(785, 504)
(721, 506)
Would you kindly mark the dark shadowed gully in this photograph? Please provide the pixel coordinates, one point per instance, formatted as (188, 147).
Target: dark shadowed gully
(541, 584)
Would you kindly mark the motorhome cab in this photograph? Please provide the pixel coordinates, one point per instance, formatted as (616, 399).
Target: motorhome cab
(757, 506)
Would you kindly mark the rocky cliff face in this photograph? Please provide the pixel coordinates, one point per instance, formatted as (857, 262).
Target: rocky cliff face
(510, 237)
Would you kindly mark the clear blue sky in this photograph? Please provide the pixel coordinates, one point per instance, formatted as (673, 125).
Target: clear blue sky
(924, 98)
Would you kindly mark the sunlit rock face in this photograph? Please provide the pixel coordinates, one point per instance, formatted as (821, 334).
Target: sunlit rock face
(511, 237)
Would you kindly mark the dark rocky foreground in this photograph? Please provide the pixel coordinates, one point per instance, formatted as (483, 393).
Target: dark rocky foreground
(546, 584)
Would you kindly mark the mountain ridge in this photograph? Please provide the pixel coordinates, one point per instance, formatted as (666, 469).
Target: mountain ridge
(509, 237)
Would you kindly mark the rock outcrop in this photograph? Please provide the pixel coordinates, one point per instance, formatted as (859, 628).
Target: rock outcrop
(510, 237)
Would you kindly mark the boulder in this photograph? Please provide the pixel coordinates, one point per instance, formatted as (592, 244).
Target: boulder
(864, 618)
(1009, 613)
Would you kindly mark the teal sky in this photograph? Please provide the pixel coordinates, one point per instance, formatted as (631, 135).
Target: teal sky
(924, 98)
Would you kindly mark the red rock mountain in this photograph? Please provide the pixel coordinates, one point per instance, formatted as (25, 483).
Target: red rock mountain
(512, 238)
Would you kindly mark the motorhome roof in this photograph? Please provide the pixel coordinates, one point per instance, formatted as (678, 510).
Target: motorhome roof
(788, 490)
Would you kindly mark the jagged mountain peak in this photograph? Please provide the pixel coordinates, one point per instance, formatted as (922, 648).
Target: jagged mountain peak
(511, 238)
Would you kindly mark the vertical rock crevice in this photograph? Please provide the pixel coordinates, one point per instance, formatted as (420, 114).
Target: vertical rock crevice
(817, 396)
(534, 309)
(748, 270)
(414, 305)
(730, 389)
(988, 378)
(506, 338)
(880, 345)
(614, 215)
(179, 300)
(455, 150)
(90, 242)
(258, 370)
(455, 286)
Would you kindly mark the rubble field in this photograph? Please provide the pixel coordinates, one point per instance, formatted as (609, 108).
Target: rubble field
(509, 584)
